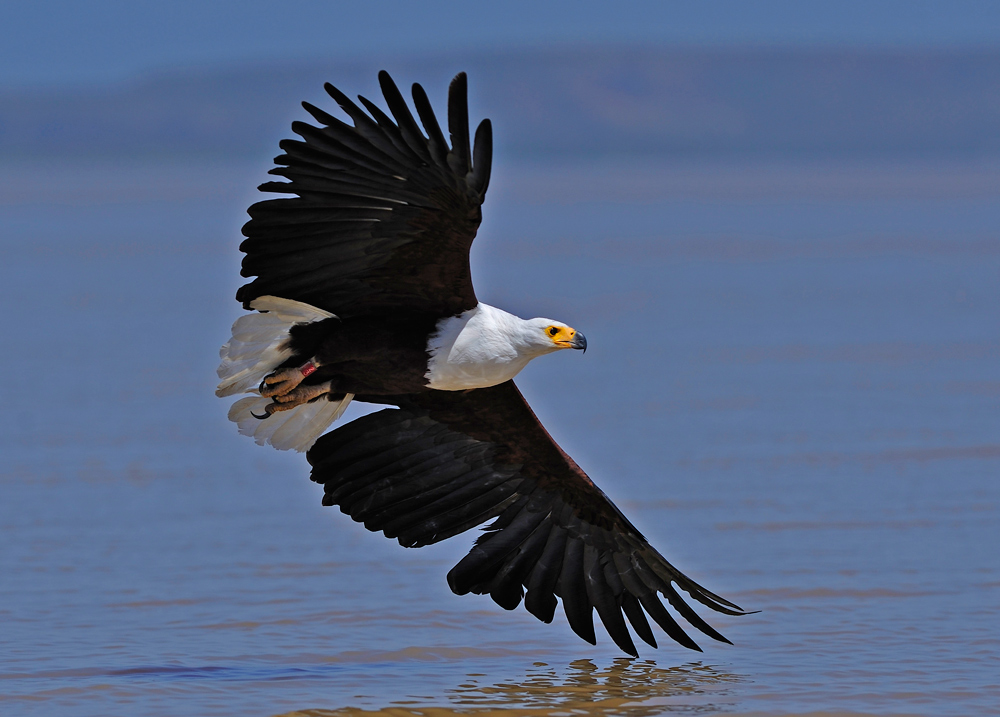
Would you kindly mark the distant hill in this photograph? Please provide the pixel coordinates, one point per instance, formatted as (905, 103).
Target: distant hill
(616, 101)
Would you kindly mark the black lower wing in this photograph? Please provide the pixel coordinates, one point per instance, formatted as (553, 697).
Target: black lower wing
(447, 461)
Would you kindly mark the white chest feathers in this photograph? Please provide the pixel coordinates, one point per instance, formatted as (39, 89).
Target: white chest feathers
(482, 347)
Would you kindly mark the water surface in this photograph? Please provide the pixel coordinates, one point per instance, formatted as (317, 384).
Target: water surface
(793, 394)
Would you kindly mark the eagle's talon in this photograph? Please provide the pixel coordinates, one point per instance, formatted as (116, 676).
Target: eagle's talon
(297, 396)
(280, 382)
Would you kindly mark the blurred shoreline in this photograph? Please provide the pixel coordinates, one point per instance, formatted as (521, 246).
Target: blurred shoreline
(719, 104)
(600, 179)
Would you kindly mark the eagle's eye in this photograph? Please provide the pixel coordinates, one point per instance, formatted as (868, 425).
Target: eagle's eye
(553, 330)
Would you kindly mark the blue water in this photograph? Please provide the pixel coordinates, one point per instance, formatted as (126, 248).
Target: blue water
(797, 399)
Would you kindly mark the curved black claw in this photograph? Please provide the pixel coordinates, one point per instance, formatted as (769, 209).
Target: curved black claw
(267, 413)
(263, 382)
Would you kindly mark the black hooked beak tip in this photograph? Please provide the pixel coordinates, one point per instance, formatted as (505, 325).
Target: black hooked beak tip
(579, 342)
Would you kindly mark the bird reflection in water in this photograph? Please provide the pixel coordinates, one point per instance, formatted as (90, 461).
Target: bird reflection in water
(626, 688)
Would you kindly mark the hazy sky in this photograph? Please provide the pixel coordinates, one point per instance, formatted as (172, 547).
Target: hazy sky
(69, 42)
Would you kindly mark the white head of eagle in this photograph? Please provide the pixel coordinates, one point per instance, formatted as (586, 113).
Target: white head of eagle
(486, 346)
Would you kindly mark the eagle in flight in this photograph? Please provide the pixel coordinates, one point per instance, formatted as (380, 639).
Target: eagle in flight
(362, 291)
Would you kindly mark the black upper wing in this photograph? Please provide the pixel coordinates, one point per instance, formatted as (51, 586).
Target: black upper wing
(383, 217)
(448, 461)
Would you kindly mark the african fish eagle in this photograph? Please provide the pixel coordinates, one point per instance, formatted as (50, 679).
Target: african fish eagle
(363, 292)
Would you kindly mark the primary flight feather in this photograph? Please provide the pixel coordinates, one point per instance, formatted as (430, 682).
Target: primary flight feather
(362, 291)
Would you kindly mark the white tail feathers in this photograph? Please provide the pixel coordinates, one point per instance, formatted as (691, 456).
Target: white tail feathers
(296, 429)
(259, 345)
(260, 342)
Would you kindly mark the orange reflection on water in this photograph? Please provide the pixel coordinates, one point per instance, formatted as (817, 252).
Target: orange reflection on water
(627, 688)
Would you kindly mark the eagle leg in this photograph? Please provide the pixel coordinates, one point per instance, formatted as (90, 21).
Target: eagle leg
(298, 396)
(285, 380)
